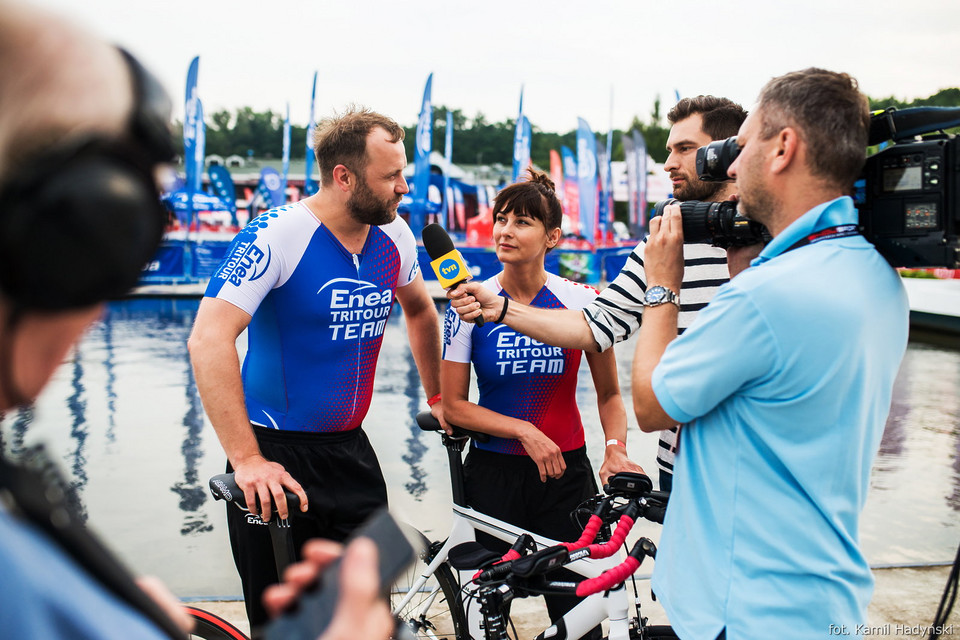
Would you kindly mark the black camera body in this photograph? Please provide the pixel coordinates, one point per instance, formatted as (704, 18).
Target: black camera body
(908, 205)
(907, 196)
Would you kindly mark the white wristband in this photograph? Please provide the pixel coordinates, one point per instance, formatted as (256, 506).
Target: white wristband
(618, 442)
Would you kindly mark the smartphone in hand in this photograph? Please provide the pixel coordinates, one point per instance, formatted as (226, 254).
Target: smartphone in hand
(396, 550)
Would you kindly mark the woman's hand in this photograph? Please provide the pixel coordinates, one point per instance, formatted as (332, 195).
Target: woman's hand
(544, 452)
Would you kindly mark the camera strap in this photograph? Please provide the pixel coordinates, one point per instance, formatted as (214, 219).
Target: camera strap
(839, 231)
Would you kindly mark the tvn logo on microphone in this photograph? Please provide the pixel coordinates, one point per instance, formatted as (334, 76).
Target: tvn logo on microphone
(450, 269)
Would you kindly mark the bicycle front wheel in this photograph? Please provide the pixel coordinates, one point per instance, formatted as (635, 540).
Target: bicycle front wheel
(434, 611)
(209, 626)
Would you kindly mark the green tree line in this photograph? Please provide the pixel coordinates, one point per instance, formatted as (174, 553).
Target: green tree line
(246, 132)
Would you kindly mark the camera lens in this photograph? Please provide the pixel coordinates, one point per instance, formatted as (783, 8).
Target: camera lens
(693, 215)
(716, 223)
(714, 160)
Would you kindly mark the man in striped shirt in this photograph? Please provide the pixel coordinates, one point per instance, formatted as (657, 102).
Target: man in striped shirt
(617, 313)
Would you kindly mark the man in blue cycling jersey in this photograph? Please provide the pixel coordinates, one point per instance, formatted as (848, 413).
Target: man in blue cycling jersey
(783, 383)
(313, 283)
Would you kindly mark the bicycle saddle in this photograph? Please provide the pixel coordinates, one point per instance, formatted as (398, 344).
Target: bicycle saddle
(224, 487)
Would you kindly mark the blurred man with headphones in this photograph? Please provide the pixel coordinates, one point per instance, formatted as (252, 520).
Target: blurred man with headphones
(84, 131)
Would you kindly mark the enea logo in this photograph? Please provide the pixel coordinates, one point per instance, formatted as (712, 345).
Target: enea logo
(449, 268)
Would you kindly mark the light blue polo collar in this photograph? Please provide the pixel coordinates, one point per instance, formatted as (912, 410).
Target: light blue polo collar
(836, 212)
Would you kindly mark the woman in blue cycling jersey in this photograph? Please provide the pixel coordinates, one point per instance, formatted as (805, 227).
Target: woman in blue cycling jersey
(534, 470)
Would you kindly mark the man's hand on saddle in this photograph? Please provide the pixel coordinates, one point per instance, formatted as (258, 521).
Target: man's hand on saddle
(470, 299)
(262, 479)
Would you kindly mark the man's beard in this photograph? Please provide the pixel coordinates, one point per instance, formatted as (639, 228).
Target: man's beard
(367, 208)
(696, 189)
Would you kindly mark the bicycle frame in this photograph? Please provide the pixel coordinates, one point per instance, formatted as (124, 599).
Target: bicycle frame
(612, 605)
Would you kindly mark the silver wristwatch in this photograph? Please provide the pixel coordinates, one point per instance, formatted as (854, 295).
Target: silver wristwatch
(656, 296)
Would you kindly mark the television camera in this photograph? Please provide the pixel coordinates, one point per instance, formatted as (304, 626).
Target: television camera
(907, 195)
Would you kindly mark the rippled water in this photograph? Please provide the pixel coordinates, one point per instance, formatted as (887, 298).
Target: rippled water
(124, 419)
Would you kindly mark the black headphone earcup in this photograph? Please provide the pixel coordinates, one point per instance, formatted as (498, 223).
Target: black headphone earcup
(77, 232)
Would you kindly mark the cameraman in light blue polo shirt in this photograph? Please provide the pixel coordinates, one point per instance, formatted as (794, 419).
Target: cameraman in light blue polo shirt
(783, 383)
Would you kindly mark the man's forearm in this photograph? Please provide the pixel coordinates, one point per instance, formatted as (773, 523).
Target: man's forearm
(565, 328)
(423, 331)
(216, 369)
(658, 330)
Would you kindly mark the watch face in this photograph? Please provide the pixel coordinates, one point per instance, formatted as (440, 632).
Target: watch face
(656, 295)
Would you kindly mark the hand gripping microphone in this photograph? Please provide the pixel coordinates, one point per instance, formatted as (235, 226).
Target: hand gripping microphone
(445, 260)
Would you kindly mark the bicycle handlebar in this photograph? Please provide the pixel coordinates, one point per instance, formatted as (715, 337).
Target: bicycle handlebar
(642, 501)
(224, 487)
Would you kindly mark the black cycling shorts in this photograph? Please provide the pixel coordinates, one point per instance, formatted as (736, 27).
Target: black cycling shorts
(341, 475)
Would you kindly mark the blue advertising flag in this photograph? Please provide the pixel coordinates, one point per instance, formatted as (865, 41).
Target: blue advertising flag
(199, 149)
(222, 185)
(269, 189)
(448, 156)
(571, 189)
(603, 180)
(640, 149)
(421, 160)
(569, 163)
(286, 148)
(631, 160)
(190, 106)
(587, 178)
(521, 143)
(608, 186)
(310, 185)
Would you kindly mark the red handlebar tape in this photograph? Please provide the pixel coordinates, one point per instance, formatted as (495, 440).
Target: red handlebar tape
(608, 578)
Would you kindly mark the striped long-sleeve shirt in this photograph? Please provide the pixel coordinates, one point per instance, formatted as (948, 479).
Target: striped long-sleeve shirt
(617, 313)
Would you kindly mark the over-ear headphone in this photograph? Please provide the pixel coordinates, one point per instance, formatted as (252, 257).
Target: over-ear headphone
(78, 222)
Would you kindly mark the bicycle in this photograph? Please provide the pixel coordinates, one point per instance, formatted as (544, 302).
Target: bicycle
(456, 592)
(209, 626)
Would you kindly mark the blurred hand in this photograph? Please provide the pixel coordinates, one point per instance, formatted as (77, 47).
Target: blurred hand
(158, 591)
(361, 611)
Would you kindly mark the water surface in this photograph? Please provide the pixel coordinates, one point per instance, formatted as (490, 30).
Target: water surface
(123, 418)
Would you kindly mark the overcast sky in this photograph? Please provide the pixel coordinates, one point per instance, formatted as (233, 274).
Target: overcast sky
(569, 56)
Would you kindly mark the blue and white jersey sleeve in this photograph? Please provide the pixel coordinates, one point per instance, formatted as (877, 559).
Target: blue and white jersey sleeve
(262, 257)
(458, 335)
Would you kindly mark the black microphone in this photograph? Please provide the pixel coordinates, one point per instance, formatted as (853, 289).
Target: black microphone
(445, 260)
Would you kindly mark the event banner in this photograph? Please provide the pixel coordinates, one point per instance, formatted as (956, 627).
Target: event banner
(222, 184)
(310, 185)
(631, 160)
(587, 179)
(286, 148)
(521, 144)
(192, 122)
(448, 156)
(640, 149)
(603, 202)
(521, 149)
(421, 160)
(571, 189)
(270, 190)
